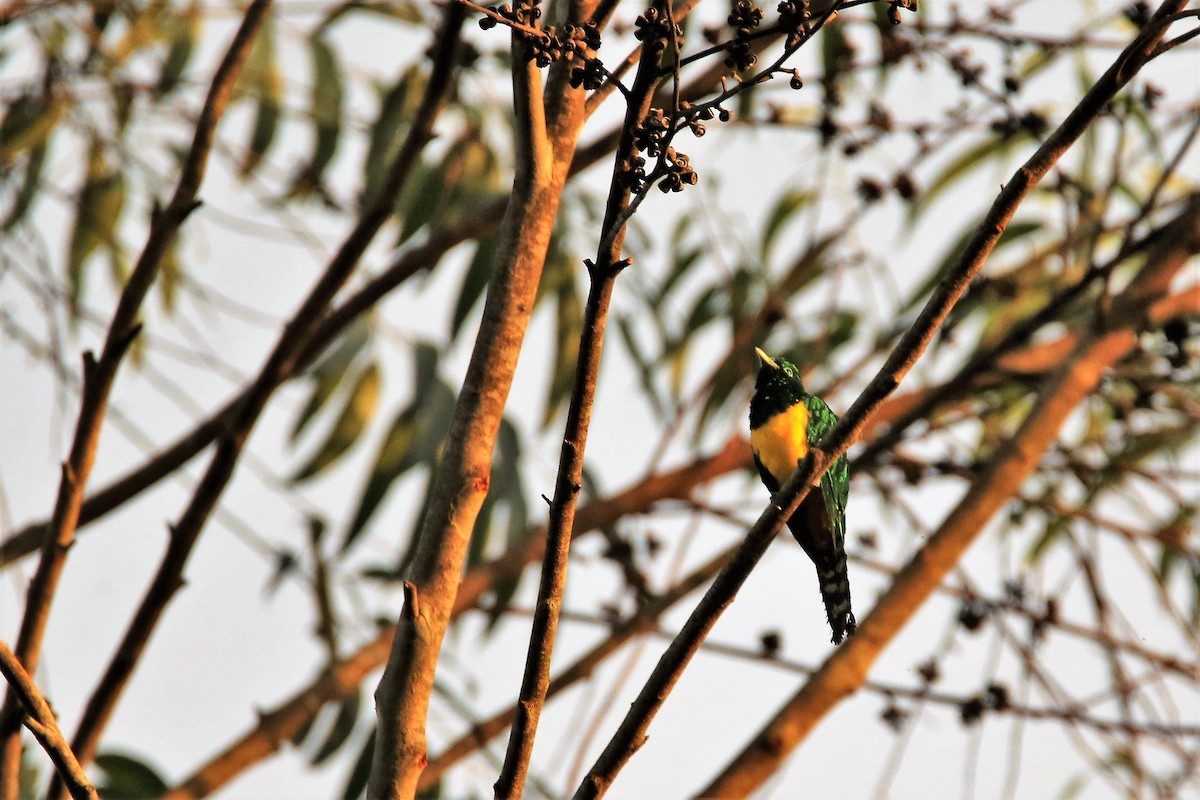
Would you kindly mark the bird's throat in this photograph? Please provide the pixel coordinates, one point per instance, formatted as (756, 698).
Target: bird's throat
(782, 441)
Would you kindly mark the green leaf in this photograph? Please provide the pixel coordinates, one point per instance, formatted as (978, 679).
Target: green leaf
(28, 123)
(30, 183)
(261, 80)
(125, 777)
(356, 781)
(414, 438)
(97, 213)
(784, 209)
(475, 281)
(339, 732)
(328, 369)
(988, 151)
(568, 329)
(183, 28)
(1016, 231)
(356, 413)
(325, 109)
(397, 106)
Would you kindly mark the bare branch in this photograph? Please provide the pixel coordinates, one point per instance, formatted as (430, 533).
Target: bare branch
(98, 378)
(39, 718)
(282, 362)
(632, 730)
(846, 669)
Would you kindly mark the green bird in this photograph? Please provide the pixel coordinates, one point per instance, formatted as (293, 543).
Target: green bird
(783, 420)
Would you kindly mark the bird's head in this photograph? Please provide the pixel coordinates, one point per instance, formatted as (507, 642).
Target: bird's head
(777, 386)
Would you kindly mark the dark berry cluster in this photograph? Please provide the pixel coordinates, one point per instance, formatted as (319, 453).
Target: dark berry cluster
(571, 41)
(649, 134)
(590, 76)
(654, 29)
(744, 17)
(632, 173)
(794, 15)
(679, 172)
(524, 14)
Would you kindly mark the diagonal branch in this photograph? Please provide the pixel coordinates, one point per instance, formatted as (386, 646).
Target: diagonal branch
(535, 681)
(98, 378)
(912, 344)
(282, 362)
(39, 718)
(846, 669)
(546, 136)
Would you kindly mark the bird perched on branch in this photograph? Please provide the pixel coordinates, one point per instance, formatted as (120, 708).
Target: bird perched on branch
(784, 419)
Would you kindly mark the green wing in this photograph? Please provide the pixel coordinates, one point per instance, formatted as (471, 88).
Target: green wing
(835, 483)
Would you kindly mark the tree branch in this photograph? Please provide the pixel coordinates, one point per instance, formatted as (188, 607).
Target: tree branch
(39, 718)
(545, 142)
(846, 669)
(282, 362)
(912, 344)
(536, 678)
(98, 378)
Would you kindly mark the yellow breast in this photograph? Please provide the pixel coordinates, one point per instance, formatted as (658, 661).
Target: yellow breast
(782, 441)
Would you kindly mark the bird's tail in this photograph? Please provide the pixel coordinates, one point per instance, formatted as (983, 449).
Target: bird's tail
(835, 591)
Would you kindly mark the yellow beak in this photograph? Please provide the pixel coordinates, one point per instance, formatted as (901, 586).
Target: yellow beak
(766, 359)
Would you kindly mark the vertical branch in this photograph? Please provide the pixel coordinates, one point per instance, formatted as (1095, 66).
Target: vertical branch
(546, 135)
(42, 724)
(98, 378)
(632, 731)
(283, 360)
(603, 273)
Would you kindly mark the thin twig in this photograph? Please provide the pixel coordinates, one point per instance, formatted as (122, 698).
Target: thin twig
(632, 731)
(282, 362)
(98, 378)
(569, 481)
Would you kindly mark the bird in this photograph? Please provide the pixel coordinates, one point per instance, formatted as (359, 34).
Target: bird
(784, 421)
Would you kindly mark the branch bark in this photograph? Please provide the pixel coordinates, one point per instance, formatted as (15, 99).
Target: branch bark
(98, 378)
(632, 731)
(277, 726)
(546, 139)
(282, 362)
(846, 669)
(39, 718)
(569, 480)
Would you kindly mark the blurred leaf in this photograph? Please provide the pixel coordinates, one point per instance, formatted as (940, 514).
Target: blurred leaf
(395, 457)
(125, 777)
(261, 80)
(784, 209)
(328, 369)
(97, 214)
(415, 437)
(402, 10)
(1016, 230)
(568, 328)
(475, 281)
(989, 152)
(356, 781)
(169, 273)
(645, 367)
(286, 564)
(397, 107)
(468, 174)
(31, 177)
(325, 111)
(356, 413)
(182, 29)
(339, 732)
(27, 124)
